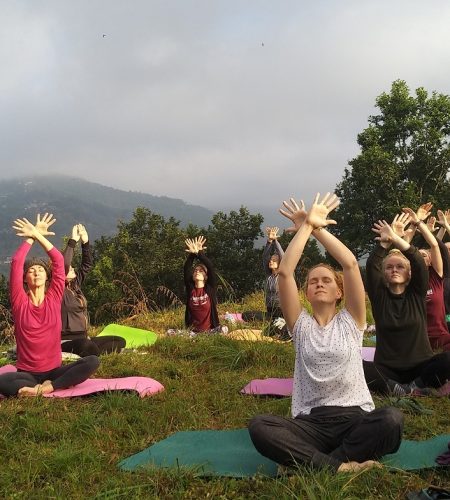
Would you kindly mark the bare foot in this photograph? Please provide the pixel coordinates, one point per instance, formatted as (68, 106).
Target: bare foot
(358, 466)
(46, 387)
(30, 391)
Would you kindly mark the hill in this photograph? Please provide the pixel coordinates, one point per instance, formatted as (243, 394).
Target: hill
(74, 200)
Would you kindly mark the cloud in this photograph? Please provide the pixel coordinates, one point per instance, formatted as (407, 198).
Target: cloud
(219, 103)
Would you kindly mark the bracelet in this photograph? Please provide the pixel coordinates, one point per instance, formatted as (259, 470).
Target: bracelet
(416, 224)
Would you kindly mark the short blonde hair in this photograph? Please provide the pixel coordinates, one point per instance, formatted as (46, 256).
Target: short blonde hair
(395, 252)
(338, 278)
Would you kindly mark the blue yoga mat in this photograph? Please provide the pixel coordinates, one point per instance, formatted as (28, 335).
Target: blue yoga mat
(414, 455)
(211, 453)
(231, 453)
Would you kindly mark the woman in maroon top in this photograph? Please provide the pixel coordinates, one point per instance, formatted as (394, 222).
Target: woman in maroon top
(201, 290)
(437, 261)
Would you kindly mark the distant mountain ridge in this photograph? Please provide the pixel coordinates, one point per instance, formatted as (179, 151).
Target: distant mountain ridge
(74, 200)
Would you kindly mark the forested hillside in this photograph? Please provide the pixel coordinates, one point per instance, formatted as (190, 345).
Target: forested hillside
(74, 200)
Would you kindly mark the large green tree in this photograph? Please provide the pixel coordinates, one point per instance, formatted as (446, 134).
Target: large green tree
(131, 268)
(231, 242)
(404, 161)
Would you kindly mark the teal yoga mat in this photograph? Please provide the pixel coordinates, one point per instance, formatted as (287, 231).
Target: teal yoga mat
(414, 455)
(135, 337)
(231, 453)
(210, 453)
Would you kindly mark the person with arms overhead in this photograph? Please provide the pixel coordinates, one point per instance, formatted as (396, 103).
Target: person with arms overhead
(36, 296)
(74, 311)
(334, 423)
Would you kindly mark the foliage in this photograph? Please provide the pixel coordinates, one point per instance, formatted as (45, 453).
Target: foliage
(141, 267)
(404, 161)
(130, 266)
(231, 246)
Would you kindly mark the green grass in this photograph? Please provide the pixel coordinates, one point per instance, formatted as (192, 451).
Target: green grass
(69, 448)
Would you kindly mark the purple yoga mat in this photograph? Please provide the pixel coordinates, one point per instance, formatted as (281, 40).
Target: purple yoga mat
(368, 353)
(145, 386)
(269, 387)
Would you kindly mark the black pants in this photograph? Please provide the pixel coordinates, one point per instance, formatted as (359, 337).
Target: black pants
(328, 436)
(95, 346)
(433, 372)
(61, 377)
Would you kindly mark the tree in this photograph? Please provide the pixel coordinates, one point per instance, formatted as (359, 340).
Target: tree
(147, 254)
(230, 240)
(404, 161)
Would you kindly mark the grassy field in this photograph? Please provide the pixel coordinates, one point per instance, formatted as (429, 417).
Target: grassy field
(70, 448)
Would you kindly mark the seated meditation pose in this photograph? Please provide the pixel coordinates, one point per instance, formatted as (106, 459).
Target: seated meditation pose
(74, 312)
(36, 296)
(200, 281)
(273, 317)
(334, 423)
(397, 285)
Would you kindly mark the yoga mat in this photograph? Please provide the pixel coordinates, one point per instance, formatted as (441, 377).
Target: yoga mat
(414, 455)
(233, 317)
(281, 387)
(7, 369)
(134, 337)
(231, 453)
(368, 353)
(145, 386)
(444, 390)
(212, 453)
(250, 335)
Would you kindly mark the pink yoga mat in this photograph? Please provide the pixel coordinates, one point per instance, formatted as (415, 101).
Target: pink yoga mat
(7, 369)
(145, 386)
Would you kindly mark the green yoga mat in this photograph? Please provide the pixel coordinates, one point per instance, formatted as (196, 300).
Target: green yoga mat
(231, 453)
(414, 455)
(134, 337)
(210, 453)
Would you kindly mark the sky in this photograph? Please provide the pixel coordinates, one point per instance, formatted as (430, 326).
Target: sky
(221, 103)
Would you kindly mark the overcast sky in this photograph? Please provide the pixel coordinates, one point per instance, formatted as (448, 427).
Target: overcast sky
(217, 102)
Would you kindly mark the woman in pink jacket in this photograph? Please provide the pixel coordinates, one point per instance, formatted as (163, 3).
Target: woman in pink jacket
(36, 295)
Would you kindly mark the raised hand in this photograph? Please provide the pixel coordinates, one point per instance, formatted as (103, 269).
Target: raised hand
(83, 234)
(318, 213)
(443, 218)
(200, 243)
(75, 234)
(42, 224)
(191, 245)
(424, 211)
(385, 233)
(415, 219)
(295, 213)
(431, 224)
(272, 233)
(399, 223)
(24, 228)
